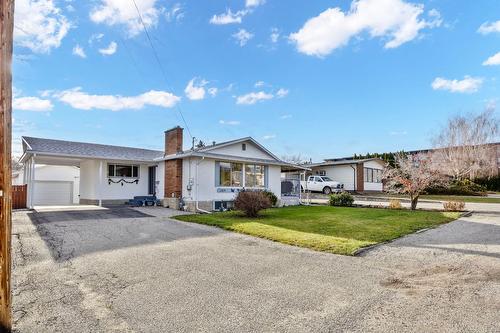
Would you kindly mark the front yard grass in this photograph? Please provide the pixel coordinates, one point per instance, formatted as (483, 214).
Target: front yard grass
(340, 230)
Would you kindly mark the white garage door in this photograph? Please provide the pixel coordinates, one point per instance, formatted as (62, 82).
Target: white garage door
(52, 193)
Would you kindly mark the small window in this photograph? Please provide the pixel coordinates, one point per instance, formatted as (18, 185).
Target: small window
(243, 146)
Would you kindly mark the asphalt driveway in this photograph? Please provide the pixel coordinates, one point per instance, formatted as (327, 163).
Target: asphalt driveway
(136, 270)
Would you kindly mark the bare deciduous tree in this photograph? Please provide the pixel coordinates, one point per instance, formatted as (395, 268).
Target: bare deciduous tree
(294, 159)
(463, 149)
(411, 175)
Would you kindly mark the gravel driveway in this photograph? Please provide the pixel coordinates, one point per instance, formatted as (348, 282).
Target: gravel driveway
(136, 270)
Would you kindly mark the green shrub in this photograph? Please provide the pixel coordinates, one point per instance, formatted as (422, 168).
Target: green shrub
(490, 183)
(251, 202)
(341, 199)
(272, 197)
(458, 187)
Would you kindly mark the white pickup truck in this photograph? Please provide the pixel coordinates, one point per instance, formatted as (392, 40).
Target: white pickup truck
(321, 184)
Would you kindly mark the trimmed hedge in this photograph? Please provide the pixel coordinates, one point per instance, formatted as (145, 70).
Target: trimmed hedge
(459, 187)
(341, 199)
(491, 183)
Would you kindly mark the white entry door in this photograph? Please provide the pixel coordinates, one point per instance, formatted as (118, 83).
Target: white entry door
(53, 193)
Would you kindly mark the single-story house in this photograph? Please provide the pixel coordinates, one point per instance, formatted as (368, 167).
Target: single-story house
(203, 178)
(54, 184)
(363, 175)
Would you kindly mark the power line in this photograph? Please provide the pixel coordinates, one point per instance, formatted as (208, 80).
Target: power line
(159, 63)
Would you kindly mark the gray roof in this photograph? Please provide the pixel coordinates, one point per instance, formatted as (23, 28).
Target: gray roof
(88, 150)
(343, 162)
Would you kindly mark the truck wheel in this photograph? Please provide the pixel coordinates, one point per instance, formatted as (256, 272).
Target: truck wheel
(327, 190)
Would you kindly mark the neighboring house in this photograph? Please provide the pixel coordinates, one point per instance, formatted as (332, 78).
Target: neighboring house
(200, 178)
(357, 175)
(54, 184)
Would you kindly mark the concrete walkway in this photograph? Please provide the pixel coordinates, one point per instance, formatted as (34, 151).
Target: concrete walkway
(136, 270)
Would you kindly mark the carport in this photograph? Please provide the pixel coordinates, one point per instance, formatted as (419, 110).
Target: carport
(47, 192)
(108, 175)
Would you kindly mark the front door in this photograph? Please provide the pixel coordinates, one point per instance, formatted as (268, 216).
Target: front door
(152, 180)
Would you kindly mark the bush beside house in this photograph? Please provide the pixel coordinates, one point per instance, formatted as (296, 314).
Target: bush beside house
(251, 203)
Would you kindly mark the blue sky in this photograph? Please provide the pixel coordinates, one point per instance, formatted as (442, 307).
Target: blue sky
(317, 78)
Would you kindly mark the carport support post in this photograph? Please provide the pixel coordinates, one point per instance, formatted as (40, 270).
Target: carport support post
(6, 36)
(32, 173)
(100, 183)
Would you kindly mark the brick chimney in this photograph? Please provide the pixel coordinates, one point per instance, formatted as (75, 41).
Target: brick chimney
(173, 140)
(173, 168)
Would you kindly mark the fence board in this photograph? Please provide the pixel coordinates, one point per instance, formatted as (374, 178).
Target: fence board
(19, 195)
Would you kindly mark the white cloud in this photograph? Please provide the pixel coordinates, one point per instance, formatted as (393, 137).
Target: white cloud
(281, 93)
(398, 133)
(39, 25)
(397, 21)
(253, 97)
(79, 99)
(195, 89)
(286, 116)
(228, 17)
(229, 122)
(243, 36)
(31, 104)
(213, 91)
(95, 37)
(275, 35)
(467, 85)
(254, 3)
(487, 27)
(269, 136)
(175, 13)
(78, 51)
(259, 84)
(493, 60)
(111, 49)
(121, 12)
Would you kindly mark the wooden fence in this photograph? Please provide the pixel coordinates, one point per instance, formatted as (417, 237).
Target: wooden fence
(19, 195)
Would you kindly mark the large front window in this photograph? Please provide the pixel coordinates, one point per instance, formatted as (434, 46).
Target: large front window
(254, 175)
(123, 171)
(230, 174)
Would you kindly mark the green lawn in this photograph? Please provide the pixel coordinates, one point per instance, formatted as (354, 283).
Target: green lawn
(338, 230)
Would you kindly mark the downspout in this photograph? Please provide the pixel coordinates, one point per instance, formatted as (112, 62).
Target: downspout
(354, 184)
(197, 185)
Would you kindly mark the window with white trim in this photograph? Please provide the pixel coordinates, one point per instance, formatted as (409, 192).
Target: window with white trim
(254, 175)
(123, 171)
(231, 174)
(373, 175)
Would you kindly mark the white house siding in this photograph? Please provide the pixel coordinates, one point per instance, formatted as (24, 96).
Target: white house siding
(339, 173)
(251, 151)
(93, 190)
(160, 180)
(204, 187)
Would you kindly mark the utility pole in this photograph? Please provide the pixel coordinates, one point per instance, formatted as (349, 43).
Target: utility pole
(6, 36)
